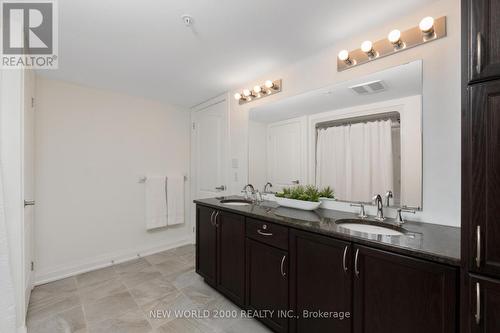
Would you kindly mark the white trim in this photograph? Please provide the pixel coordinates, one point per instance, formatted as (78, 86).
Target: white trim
(22, 329)
(106, 260)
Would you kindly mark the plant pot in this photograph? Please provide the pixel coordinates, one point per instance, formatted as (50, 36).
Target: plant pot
(297, 204)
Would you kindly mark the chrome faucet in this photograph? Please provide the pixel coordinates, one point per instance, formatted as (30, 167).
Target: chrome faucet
(245, 191)
(399, 218)
(267, 186)
(362, 213)
(388, 196)
(380, 207)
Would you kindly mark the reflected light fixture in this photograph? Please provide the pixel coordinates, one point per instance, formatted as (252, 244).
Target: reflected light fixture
(395, 38)
(237, 96)
(257, 89)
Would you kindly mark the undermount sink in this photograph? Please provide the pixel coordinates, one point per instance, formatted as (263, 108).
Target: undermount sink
(236, 202)
(370, 227)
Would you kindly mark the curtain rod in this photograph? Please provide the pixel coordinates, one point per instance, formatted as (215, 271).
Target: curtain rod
(360, 119)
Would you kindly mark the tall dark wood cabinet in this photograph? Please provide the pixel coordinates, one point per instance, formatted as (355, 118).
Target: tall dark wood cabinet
(480, 277)
(394, 293)
(483, 39)
(320, 280)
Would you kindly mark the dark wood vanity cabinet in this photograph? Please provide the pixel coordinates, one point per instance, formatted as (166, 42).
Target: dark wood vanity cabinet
(220, 251)
(481, 178)
(394, 293)
(267, 282)
(320, 280)
(483, 38)
(206, 244)
(317, 283)
(484, 305)
(231, 255)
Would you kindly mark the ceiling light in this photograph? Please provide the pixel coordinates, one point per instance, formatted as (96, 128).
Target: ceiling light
(427, 25)
(237, 96)
(246, 92)
(257, 89)
(344, 56)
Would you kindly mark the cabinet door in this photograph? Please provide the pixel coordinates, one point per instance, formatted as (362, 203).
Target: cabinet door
(267, 283)
(394, 293)
(231, 255)
(481, 179)
(484, 305)
(206, 244)
(483, 39)
(320, 282)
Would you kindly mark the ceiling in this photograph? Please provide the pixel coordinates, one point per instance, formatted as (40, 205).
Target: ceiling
(143, 48)
(401, 81)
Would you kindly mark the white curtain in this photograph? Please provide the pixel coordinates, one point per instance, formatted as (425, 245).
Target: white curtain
(7, 303)
(356, 160)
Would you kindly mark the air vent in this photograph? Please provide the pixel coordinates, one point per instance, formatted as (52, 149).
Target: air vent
(369, 87)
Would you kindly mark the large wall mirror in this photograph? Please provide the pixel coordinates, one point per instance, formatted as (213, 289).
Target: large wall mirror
(361, 137)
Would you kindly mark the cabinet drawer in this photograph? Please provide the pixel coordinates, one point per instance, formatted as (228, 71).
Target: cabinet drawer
(268, 233)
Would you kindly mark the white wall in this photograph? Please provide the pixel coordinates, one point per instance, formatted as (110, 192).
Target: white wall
(91, 148)
(441, 103)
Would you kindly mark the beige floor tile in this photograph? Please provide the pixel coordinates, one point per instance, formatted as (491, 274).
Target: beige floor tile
(68, 321)
(247, 326)
(131, 279)
(160, 257)
(184, 325)
(173, 268)
(52, 306)
(132, 266)
(201, 293)
(109, 307)
(169, 306)
(152, 290)
(130, 322)
(90, 278)
(190, 248)
(186, 279)
(57, 289)
(101, 289)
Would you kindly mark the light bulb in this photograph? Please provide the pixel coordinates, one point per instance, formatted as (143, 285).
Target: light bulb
(427, 25)
(246, 92)
(343, 55)
(237, 96)
(367, 46)
(269, 84)
(257, 89)
(394, 36)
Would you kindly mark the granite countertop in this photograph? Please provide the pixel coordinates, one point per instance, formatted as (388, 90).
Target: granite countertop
(422, 240)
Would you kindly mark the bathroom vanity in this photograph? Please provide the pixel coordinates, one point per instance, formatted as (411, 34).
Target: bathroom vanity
(306, 264)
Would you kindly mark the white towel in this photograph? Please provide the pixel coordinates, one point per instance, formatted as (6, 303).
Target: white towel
(175, 200)
(156, 202)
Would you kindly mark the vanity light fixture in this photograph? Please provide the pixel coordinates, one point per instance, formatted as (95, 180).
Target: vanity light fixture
(427, 30)
(268, 88)
(395, 38)
(344, 56)
(367, 47)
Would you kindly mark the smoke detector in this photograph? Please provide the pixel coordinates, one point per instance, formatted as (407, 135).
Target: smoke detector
(187, 19)
(371, 87)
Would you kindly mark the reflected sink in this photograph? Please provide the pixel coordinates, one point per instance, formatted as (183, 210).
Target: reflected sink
(370, 227)
(236, 202)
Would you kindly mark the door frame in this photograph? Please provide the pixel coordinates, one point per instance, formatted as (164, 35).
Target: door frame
(12, 157)
(223, 98)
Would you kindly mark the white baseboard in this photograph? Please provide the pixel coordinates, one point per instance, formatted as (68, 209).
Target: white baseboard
(22, 329)
(105, 261)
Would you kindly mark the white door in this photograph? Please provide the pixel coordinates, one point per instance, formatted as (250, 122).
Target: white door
(211, 134)
(28, 177)
(286, 153)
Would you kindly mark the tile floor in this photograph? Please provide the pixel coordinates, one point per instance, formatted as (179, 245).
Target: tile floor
(119, 299)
